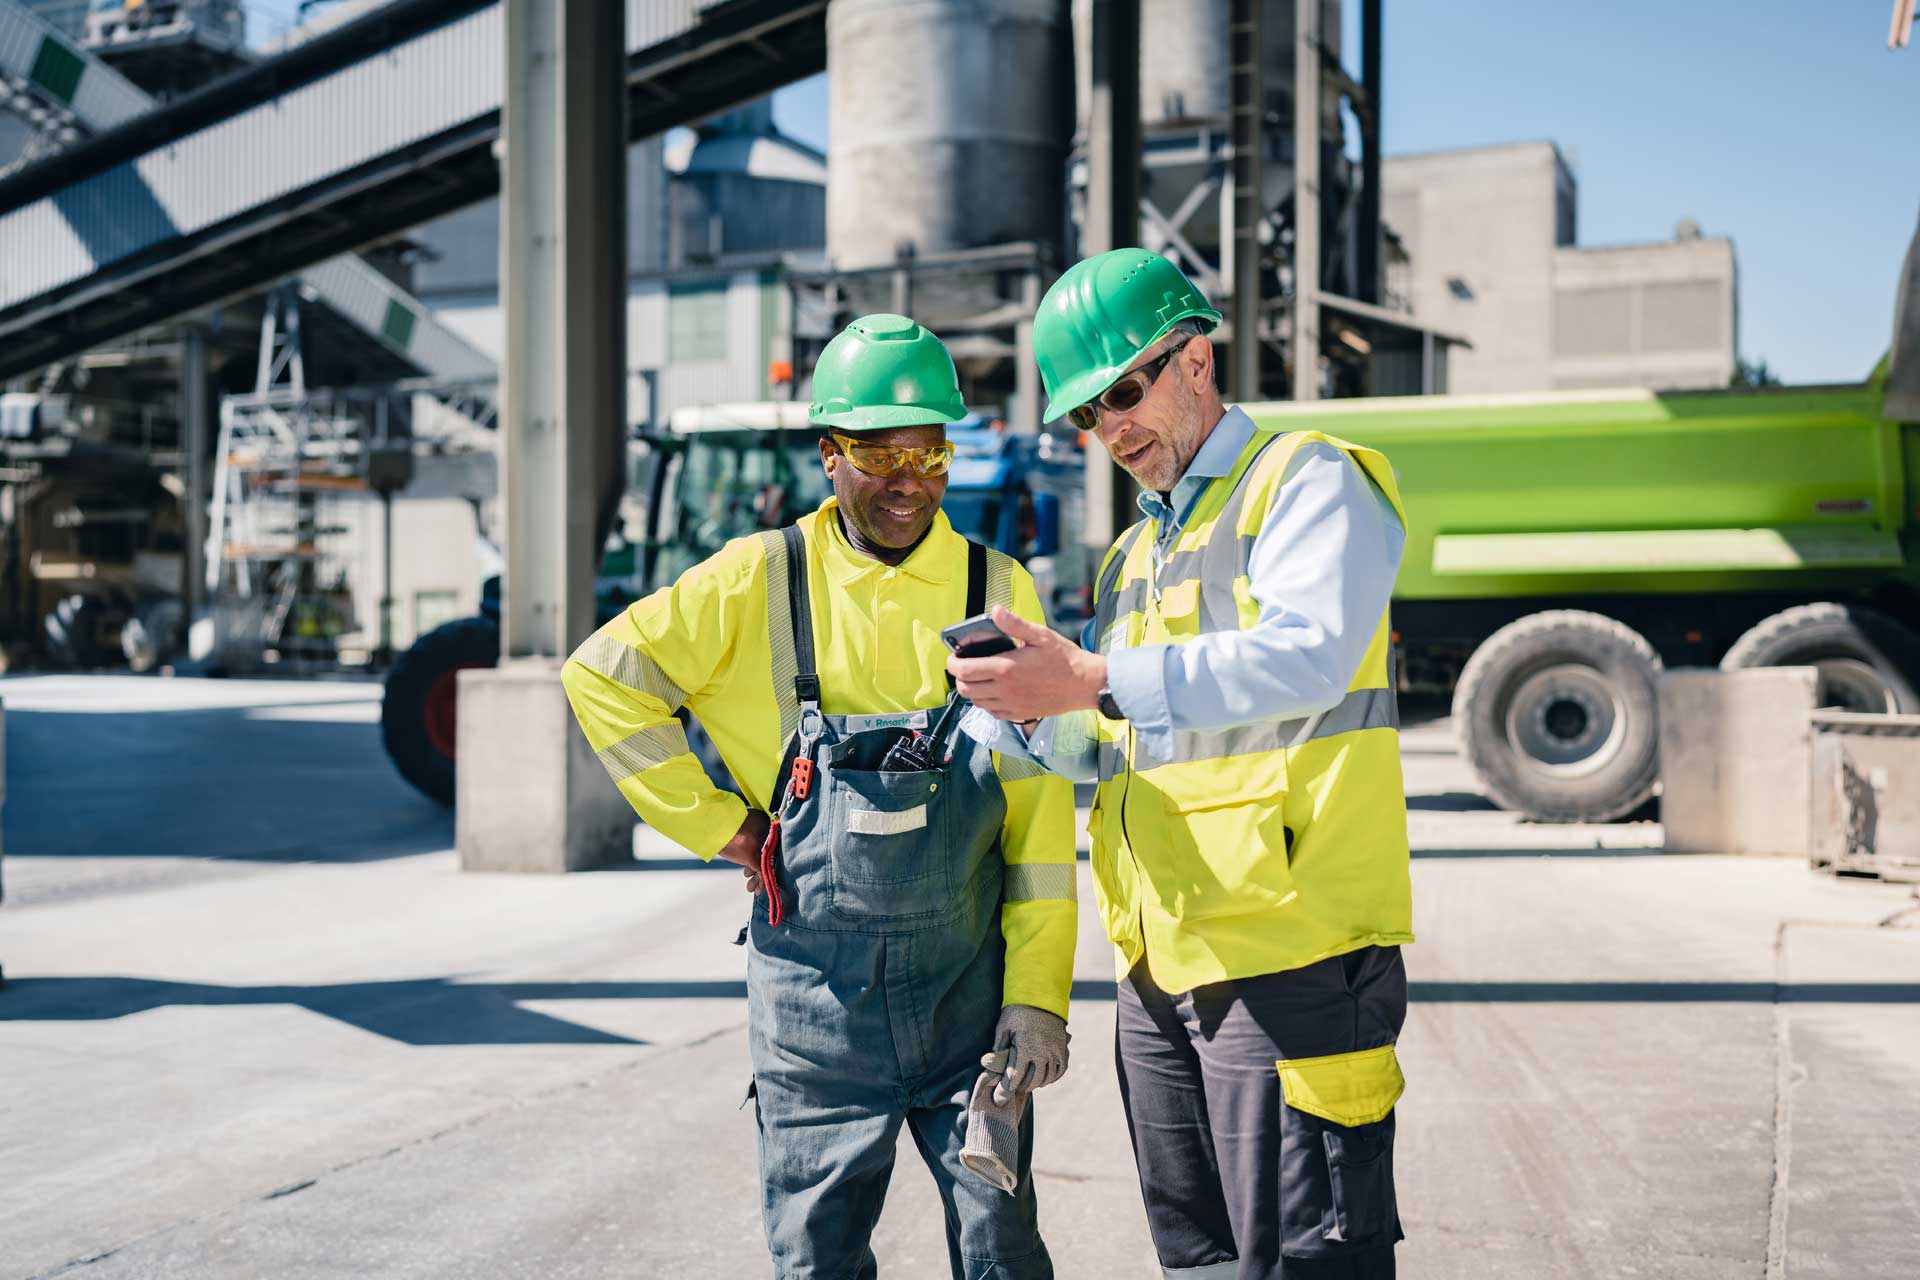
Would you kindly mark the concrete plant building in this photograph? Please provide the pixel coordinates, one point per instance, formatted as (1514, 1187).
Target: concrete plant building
(1491, 237)
(712, 215)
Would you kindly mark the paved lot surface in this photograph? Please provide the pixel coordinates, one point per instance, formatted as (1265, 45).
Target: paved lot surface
(259, 1024)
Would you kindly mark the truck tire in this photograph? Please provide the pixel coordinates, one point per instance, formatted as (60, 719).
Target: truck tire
(151, 635)
(1558, 715)
(1867, 661)
(417, 710)
(72, 631)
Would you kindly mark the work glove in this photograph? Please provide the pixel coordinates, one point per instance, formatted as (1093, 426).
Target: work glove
(992, 1151)
(1036, 1045)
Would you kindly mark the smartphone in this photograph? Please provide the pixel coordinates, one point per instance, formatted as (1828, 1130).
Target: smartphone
(977, 637)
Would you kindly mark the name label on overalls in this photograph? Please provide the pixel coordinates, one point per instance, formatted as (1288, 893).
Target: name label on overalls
(891, 720)
(886, 822)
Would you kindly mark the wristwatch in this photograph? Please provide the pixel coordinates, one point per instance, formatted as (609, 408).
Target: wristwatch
(1108, 706)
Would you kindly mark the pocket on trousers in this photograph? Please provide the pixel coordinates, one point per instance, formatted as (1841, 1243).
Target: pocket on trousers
(1347, 1088)
(1360, 1172)
(1339, 1138)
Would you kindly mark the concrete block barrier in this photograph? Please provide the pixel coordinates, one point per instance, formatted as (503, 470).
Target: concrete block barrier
(529, 795)
(1865, 793)
(1734, 759)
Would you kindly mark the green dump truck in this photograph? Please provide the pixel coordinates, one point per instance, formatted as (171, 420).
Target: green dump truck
(1564, 547)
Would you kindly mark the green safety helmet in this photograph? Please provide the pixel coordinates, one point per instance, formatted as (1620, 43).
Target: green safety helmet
(1099, 317)
(885, 371)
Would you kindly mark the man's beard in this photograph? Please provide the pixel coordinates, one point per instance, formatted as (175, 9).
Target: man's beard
(1165, 461)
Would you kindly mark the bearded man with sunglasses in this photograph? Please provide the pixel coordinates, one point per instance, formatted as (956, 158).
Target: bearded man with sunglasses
(914, 906)
(1233, 698)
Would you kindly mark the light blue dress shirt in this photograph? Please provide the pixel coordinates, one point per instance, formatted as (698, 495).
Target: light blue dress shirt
(1321, 571)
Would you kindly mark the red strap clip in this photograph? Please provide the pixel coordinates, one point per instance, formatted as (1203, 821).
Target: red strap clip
(776, 909)
(802, 777)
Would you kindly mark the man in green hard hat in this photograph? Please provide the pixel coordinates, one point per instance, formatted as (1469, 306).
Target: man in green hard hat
(914, 906)
(1233, 699)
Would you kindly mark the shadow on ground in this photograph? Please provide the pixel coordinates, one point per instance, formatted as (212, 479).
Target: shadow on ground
(209, 783)
(1452, 802)
(1442, 855)
(424, 1011)
(446, 1011)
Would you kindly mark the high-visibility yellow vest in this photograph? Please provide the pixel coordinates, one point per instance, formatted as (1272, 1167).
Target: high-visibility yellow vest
(1261, 847)
(718, 642)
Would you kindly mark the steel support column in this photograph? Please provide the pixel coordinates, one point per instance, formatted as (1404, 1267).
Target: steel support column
(1026, 374)
(1306, 199)
(562, 276)
(1113, 216)
(1247, 127)
(196, 426)
(1367, 259)
(529, 795)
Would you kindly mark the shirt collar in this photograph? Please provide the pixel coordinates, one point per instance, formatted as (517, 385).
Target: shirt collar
(932, 561)
(1218, 455)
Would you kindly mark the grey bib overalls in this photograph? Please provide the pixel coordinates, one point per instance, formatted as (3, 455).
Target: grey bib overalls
(874, 996)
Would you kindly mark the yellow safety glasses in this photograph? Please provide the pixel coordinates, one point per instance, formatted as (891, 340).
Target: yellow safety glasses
(885, 459)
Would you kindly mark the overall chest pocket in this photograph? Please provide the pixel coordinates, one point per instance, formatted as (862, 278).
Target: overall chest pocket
(887, 841)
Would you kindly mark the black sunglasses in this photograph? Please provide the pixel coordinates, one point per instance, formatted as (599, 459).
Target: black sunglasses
(1126, 393)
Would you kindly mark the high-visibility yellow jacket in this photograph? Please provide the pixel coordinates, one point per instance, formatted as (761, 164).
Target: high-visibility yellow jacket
(1260, 847)
(704, 643)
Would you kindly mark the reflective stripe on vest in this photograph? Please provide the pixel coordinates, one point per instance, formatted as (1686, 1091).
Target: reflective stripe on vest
(1360, 709)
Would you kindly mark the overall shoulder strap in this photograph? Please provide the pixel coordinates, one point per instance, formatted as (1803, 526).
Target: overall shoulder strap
(976, 588)
(976, 579)
(806, 679)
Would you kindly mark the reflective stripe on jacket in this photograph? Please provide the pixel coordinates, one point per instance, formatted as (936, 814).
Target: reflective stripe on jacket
(1259, 847)
(718, 643)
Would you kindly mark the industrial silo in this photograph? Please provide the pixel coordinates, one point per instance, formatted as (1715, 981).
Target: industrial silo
(949, 123)
(740, 186)
(1185, 98)
(1185, 54)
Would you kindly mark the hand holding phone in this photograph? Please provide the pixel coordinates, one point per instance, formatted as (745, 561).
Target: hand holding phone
(977, 637)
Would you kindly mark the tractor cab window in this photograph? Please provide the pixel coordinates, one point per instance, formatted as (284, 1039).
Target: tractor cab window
(726, 485)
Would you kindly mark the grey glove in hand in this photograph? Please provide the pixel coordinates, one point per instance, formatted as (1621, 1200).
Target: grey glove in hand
(1036, 1045)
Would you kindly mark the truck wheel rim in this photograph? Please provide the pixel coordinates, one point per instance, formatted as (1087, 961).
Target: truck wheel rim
(1567, 721)
(1853, 685)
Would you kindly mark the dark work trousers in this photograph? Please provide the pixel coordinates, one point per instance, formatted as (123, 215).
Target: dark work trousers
(1239, 1184)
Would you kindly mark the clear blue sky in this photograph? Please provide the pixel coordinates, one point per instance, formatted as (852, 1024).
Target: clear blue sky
(1788, 126)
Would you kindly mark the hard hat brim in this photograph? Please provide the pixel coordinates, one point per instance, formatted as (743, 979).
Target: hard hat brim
(884, 417)
(1090, 385)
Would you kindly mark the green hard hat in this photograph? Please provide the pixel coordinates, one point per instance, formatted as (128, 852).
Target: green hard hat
(1099, 317)
(885, 371)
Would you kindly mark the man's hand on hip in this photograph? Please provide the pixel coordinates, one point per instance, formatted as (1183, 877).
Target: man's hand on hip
(1047, 675)
(744, 849)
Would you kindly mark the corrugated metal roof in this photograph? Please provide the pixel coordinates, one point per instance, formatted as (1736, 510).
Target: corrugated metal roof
(177, 184)
(399, 98)
(101, 97)
(347, 285)
(651, 21)
(383, 104)
(369, 300)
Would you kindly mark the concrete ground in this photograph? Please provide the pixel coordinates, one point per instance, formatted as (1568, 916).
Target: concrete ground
(257, 1023)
